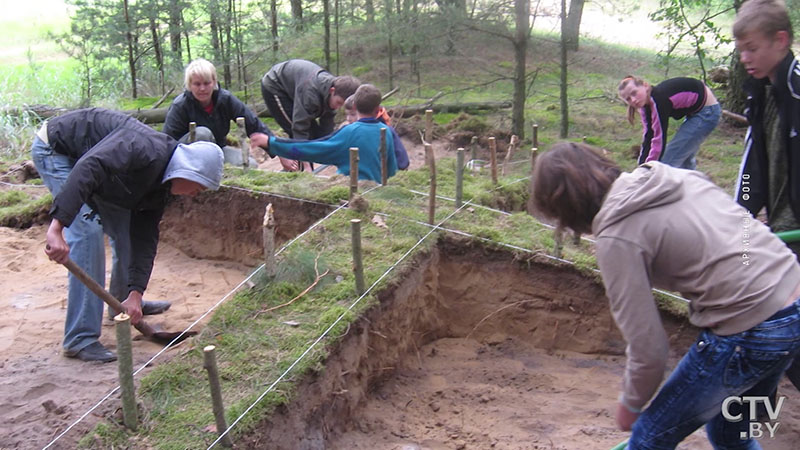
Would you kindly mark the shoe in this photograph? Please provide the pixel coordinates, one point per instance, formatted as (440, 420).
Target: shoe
(149, 308)
(93, 352)
(153, 307)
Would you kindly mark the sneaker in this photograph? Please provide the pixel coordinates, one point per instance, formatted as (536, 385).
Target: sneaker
(93, 352)
(150, 308)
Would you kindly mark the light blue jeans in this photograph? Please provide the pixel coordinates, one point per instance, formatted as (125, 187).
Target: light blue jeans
(682, 148)
(745, 364)
(86, 248)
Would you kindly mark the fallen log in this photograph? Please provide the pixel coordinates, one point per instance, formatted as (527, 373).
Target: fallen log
(738, 119)
(158, 115)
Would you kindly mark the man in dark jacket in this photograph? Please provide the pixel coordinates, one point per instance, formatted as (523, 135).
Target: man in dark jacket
(212, 109)
(303, 98)
(769, 177)
(104, 163)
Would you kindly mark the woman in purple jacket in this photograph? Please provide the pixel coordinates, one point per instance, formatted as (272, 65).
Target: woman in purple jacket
(679, 98)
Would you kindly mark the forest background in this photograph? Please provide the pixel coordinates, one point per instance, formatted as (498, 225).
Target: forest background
(556, 61)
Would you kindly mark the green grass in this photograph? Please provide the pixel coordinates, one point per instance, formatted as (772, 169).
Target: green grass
(255, 346)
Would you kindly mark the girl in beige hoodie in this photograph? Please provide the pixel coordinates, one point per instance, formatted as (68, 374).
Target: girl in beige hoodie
(674, 229)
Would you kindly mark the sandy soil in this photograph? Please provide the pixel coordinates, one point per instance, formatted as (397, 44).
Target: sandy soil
(476, 358)
(41, 392)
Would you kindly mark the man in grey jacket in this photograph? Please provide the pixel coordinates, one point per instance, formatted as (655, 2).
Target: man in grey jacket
(659, 226)
(303, 98)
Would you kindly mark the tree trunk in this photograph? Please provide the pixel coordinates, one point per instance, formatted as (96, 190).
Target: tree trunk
(336, 28)
(175, 27)
(572, 30)
(369, 7)
(564, 105)
(226, 48)
(326, 22)
(129, 40)
(273, 12)
(735, 97)
(213, 14)
(186, 36)
(297, 14)
(157, 50)
(522, 27)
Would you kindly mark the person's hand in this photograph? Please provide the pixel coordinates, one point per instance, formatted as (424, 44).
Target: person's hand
(259, 140)
(289, 165)
(133, 306)
(625, 417)
(56, 247)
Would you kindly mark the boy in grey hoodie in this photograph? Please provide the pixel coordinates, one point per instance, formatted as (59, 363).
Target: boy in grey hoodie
(98, 162)
(670, 228)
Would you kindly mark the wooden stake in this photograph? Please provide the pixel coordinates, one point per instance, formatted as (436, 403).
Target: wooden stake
(493, 158)
(535, 135)
(459, 176)
(192, 132)
(210, 364)
(473, 146)
(358, 266)
(384, 159)
(353, 172)
(428, 126)
(558, 236)
(432, 193)
(576, 238)
(512, 147)
(243, 142)
(268, 233)
(130, 415)
(530, 208)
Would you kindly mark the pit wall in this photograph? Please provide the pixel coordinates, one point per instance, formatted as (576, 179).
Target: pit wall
(459, 289)
(227, 224)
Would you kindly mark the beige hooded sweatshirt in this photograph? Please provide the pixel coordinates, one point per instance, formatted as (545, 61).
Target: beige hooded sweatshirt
(674, 229)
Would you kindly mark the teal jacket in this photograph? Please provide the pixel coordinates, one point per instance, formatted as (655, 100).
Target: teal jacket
(335, 149)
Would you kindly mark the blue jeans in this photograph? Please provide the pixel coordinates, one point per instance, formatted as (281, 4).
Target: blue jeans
(745, 364)
(683, 147)
(86, 248)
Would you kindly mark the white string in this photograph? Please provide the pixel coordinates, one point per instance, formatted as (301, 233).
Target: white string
(325, 333)
(177, 338)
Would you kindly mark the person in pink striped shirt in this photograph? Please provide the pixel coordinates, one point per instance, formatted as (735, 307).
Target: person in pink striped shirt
(680, 98)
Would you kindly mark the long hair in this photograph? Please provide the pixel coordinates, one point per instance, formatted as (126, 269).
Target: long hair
(638, 82)
(570, 182)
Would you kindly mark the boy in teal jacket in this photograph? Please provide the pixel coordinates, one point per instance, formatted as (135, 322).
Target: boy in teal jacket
(335, 149)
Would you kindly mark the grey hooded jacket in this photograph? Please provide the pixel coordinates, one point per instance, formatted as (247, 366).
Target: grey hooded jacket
(308, 85)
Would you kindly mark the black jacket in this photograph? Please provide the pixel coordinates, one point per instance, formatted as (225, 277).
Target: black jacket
(752, 184)
(121, 161)
(308, 85)
(185, 108)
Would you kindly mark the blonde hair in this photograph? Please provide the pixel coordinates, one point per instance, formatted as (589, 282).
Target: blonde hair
(638, 82)
(766, 16)
(202, 68)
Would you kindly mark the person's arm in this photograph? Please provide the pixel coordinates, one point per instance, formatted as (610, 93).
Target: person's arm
(399, 151)
(332, 149)
(624, 268)
(56, 248)
(176, 124)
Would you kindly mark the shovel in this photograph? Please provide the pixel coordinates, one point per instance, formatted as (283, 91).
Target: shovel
(154, 333)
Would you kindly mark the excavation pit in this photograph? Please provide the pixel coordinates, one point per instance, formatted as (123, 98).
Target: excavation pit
(474, 349)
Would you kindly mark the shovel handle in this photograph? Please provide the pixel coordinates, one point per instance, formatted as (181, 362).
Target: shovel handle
(110, 300)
